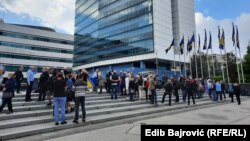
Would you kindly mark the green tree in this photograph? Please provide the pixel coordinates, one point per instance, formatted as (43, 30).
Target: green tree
(246, 64)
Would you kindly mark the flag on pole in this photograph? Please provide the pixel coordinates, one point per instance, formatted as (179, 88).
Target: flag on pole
(233, 35)
(222, 40)
(210, 41)
(237, 38)
(219, 35)
(192, 39)
(172, 44)
(199, 44)
(188, 46)
(182, 45)
(205, 41)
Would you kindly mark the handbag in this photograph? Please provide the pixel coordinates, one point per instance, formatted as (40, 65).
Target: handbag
(7, 95)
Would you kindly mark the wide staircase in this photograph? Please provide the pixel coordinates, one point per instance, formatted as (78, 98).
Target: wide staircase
(34, 120)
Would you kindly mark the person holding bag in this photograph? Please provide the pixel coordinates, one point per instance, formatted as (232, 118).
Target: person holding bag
(8, 93)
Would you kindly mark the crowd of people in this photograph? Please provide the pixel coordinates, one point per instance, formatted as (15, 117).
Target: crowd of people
(65, 86)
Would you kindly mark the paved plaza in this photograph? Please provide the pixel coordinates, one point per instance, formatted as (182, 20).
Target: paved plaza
(225, 114)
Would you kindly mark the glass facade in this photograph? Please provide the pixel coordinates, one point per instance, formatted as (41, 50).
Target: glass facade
(108, 29)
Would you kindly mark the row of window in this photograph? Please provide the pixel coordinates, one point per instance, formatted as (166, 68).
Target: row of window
(15, 56)
(146, 43)
(37, 48)
(126, 37)
(147, 19)
(32, 37)
(125, 10)
(125, 53)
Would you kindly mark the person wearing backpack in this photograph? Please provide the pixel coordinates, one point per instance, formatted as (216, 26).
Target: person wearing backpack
(168, 87)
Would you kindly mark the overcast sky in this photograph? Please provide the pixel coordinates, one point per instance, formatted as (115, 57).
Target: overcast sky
(59, 14)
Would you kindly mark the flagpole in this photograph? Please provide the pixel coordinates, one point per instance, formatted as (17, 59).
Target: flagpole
(180, 61)
(195, 61)
(201, 66)
(237, 65)
(184, 60)
(222, 67)
(242, 72)
(174, 61)
(208, 65)
(190, 65)
(228, 80)
(213, 61)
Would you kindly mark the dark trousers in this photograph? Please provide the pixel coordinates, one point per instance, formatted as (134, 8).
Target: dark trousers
(42, 93)
(7, 101)
(176, 95)
(18, 86)
(219, 94)
(114, 92)
(237, 98)
(122, 87)
(164, 95)
(78, 101)
(146, 92)
(223, 92)
(100, 87)
(131, 96)
(232, 96)
(28, 92)
(153, 97)
(189, 96)
(209, 93)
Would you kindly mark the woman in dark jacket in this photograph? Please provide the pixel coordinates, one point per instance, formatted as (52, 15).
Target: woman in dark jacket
(9, 87)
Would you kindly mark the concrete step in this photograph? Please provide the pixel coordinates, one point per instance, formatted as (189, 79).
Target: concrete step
(94, 112)
(16, 132)
(40, 110)
(35, 98)
(88, 94)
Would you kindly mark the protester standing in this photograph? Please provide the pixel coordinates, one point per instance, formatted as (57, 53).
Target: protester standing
(152, 88)
(168, 87)
(218, 90)
(8, 93)
(176, 86)
(237, 92)
(59, 99)
(43, 84)
(30, 81)
(19, 78)
(69, 93)
(190, 86)
(80, 91)
(100, 82)
(114, 78)
(230, 90)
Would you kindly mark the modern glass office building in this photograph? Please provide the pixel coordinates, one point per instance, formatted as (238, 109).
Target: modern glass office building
(124, 34)
(34, 46)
